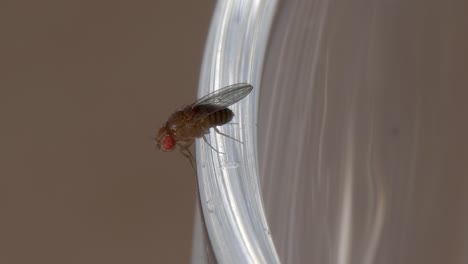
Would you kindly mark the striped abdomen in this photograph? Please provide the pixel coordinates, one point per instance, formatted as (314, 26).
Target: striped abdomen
(220, 117)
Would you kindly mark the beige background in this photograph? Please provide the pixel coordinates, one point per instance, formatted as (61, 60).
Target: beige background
(83, 87)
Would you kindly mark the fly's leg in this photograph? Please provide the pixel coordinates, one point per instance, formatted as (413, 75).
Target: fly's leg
(206, 141)
(184, 149)
(189, 156)
(219, 132)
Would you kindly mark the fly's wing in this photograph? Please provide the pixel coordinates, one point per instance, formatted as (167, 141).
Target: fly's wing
(221, 99)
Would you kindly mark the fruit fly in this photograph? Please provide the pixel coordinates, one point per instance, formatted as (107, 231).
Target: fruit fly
(195, 120)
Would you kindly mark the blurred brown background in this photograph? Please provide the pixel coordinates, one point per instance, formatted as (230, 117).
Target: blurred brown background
(83, 87)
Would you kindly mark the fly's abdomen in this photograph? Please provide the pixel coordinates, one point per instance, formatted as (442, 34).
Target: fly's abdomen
(220, 117)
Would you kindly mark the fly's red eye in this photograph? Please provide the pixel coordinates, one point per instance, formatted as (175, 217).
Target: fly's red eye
(168, 143)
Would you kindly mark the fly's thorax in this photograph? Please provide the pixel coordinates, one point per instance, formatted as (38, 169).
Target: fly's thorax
(185, 126)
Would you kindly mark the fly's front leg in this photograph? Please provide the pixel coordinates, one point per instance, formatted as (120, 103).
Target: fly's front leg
(184, 149)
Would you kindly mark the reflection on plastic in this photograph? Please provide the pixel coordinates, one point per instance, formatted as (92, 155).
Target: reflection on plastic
(373, 95)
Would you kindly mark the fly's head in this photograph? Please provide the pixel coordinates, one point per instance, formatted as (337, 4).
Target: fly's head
(164, 139)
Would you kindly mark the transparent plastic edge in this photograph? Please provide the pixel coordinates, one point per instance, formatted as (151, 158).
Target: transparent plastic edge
(229, 182)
